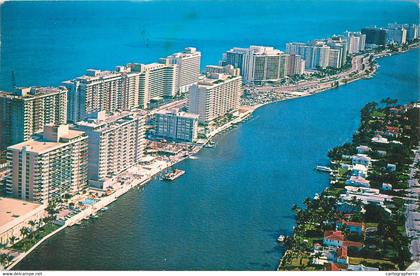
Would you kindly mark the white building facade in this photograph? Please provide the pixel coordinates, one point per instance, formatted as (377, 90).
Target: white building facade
(215, 96)
(116, 143)
(49, 167)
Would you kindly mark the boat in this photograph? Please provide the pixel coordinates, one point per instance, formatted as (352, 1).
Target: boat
(193, 157)
(104, 209)
(281, 238)
(171, 176)
(323, 169)
(78, 223)
(210, 144)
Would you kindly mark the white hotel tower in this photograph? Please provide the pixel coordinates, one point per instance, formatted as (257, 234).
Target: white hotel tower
(116, 143)
(48, 166)
(188, 68)
(215, 95)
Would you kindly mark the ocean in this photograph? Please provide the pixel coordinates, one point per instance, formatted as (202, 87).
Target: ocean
(226, 212)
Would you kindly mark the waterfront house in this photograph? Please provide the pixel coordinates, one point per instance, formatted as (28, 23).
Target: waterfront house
(358, 181)
(379, 140)
(353, 227)
(392, 131)
(341, 256)
(333, 238)
(362, 190)
(362, 149)
(359, 170)
(386, 187)
(361, 159)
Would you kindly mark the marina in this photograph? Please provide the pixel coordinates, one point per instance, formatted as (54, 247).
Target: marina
(171, 176)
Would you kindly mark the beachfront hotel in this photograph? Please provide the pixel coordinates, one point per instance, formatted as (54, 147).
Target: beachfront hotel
(26, 111)
(258, 64)
(215, 95)
(374, 36)
(188, 68)
(177, 126)
(157, 81)
(98, 91)
(356, 42)
(116, 143)
(296, 65)
(48, 166)
(315, 54)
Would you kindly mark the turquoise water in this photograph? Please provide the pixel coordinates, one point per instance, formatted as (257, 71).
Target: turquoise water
(226, 212)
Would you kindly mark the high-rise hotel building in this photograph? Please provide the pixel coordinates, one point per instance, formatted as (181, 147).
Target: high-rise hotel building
(318, 53)
(188, 68)
(48, 166)
(258, 64)
(116, 143)
(356, 42)
(177, 126)
(95, 91)
(28, 110)
(157, 81)
(214, 96)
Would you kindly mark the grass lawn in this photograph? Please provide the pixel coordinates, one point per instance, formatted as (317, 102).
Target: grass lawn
(299, 261)
(371, 224)
(371, 262)
(26, 243)
(334, 191)
(378, 114)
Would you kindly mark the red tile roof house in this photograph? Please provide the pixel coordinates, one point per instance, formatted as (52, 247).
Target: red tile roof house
(354, 227)
(336, 239)
(341, 256)
(333, 238)
(334, 267)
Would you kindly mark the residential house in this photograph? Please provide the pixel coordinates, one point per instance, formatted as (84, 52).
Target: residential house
(361, 159)
(333, 238)
(353, 227)
(359, 170)
(363, 149)
(358, 181)
(391, 167)
(386, 187)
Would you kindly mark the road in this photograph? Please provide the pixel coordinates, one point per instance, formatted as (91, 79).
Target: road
(412, 224)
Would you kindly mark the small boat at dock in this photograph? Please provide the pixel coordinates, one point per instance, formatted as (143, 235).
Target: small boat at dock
(323, 169)
(281, 238)
(210, 144)
(171, 176)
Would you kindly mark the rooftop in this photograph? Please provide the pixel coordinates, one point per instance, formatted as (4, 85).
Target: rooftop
(32, 92)
(178, 113)
(45, 143)
(11, 209)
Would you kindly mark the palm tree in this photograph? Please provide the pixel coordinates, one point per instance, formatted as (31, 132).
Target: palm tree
(3, 259)
(25, 231)
(13, 239)
(9, 259)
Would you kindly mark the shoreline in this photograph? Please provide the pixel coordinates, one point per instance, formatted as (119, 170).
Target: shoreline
(293, 244)
(370, 75)
(160, 165)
